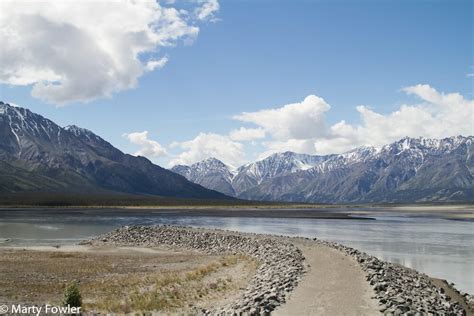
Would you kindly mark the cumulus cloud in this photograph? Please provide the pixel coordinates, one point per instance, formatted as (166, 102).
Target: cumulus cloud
(148, 148)
(153, 64)
(301, 127)
(438, 115)
(83, 50)
(207, 145)
(293, 121)
(247, 134)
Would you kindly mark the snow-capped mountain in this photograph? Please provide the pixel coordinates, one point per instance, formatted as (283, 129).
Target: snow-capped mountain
(210, 173)
(278, 164)
(408, 170)
(38, 155)
(213, 173)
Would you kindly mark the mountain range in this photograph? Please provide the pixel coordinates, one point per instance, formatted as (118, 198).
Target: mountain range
(37, 155)
(408, 170)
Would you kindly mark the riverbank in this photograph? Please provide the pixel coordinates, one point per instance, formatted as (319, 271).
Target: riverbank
(121, 280)
(395, 289)
(229, 212)
(304, 211)
(208, 270)
(281, 262)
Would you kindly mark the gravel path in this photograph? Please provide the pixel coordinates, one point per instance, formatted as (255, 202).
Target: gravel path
(323, 291)
(401, 290)
(333, 279)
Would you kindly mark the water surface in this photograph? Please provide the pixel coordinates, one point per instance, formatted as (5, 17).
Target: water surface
(439, 247)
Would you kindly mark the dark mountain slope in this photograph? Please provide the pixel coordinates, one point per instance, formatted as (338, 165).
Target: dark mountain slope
(405, 171)
(38, 155)
(408, 170)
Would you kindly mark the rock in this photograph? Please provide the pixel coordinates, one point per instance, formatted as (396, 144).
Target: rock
(400, 290)
(282, 263)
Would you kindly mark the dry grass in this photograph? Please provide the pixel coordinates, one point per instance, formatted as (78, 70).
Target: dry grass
(170, 291)
(123, 281)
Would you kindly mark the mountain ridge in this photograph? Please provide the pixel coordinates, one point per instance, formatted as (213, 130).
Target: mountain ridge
(38, 155)
(406, 170)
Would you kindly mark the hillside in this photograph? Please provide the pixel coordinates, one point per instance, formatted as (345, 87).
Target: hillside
(37, 155)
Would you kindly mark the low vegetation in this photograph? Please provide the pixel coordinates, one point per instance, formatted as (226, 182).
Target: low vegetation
(121, 282)
(72, 296)
(171, 291)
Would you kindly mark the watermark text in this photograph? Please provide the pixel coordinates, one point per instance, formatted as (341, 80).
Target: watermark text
(46, 309)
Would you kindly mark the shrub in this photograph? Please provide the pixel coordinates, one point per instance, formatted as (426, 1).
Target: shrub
(72, 296)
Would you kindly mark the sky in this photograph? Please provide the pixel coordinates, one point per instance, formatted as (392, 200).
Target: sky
(181, 81)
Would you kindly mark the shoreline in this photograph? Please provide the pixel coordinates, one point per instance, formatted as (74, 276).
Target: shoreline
(271, 206)
(281, 263)
(463, 212)
(306, 275)
(458, 213)
(397, 289)
(204, 212)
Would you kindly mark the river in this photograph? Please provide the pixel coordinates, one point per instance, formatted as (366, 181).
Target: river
(439, 247)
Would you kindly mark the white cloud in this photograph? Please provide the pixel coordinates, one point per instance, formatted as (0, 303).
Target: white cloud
(148, 148)
(247, 134)
(153, 64)
(207, 11)
(207, 145)
(439, 115)
(83, 50)
(293, 121)
(301, 127)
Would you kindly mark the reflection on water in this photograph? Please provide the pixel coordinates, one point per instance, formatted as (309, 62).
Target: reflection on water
(438, 247)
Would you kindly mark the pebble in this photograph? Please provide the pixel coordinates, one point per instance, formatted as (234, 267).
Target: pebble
(398, 289)
(282, 263)
(401, 290)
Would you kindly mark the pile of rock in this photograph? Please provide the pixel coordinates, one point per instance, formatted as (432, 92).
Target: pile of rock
(282, 264)
(400, 290)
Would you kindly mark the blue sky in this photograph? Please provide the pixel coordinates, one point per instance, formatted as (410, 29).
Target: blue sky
(262, 55)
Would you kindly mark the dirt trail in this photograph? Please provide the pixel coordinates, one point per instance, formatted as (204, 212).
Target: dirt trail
(333, 285)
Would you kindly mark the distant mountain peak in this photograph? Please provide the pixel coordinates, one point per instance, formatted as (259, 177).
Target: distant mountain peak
(82, 132)
(210, 172)
(434, 144)
(415, 169)
(360, 153)
(14, 110)
(212, 161)
(76, 130)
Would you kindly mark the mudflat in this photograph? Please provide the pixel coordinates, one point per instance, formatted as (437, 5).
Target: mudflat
(282, 212)
(355, 212)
